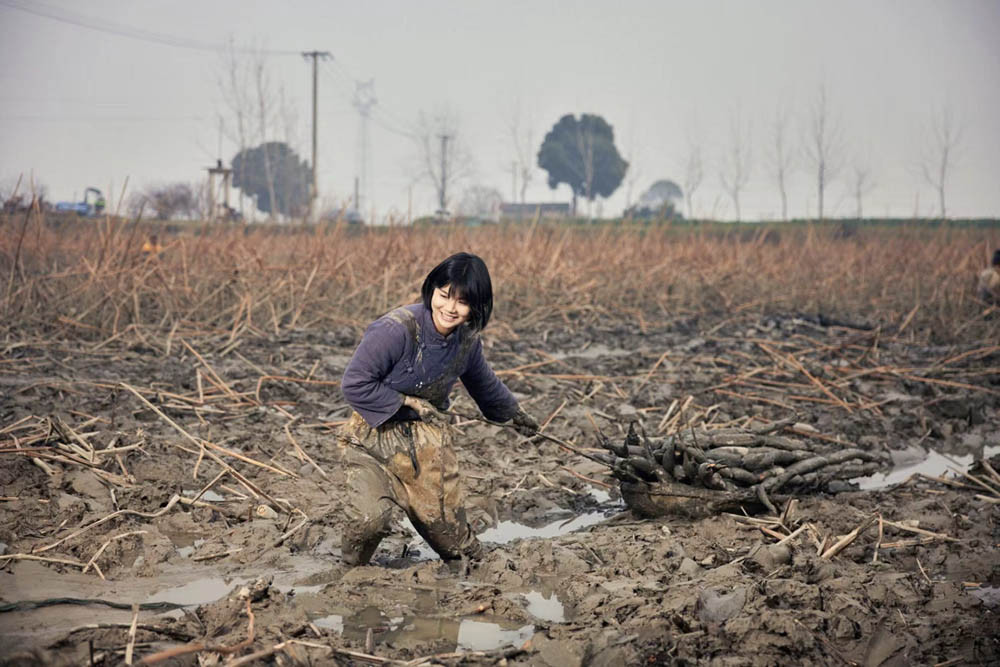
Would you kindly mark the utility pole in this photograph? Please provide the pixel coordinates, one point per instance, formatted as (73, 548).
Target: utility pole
(313, 190)
(444, 174)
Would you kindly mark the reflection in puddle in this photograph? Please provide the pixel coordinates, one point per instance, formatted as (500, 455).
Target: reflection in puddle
(200, 591)
(600, 495)
(186, 551)
(479, 636)
(507, 531)
(210, 589)
(934, 465)
(411, 631)
(545, 608)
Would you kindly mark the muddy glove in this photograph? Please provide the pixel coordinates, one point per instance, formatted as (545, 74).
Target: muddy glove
(427, 412)
(524, 423)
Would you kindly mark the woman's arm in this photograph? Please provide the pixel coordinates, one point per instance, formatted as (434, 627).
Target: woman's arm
(491, 395)
(364, 387)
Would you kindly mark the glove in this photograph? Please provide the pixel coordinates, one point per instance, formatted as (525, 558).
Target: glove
(524, 423)
(427, 412)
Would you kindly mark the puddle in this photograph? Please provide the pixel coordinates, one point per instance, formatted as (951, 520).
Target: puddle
(480, 636)
(507, 531)
(411, 631)
(545, 608)
(186, 551)
(199, 591)
(299, 590)
(600, 495)
(933, 465)
(204, 590)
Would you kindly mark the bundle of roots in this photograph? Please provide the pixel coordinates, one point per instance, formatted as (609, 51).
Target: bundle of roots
(699, 472)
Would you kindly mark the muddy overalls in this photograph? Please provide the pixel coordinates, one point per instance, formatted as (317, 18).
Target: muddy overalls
(410, 464)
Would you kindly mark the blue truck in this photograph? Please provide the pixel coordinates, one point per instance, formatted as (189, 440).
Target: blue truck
(93, 204)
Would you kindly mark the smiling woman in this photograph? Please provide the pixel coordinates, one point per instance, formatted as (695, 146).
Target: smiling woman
(397, 446)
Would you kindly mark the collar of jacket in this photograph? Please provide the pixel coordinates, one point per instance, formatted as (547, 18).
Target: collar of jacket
(430, 335)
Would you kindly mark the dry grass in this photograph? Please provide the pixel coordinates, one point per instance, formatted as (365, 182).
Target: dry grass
(84, 279)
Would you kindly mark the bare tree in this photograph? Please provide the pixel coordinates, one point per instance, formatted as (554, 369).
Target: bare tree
(694, 173)
(780, 157)
(522, 136)
(265, 109)
(943, 142)
(236, 86)
(481, 201)
(735, 171)
(862, 184)
(444, 159)
(634, 172)
(823, 145)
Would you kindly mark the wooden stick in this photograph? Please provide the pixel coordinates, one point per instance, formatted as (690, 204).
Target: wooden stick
(131, 634)
(44, 559)
(846, 540)
(589, 480)
(301, 451)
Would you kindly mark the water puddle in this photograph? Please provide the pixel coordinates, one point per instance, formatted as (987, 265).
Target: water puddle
(466, 634)
(204, 590)
(600, 495)
(545, 608)
(199, 591)
(508, 531)
(933, 464)
(186, 551)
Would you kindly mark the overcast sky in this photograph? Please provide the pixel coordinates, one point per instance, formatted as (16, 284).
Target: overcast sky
(81, 107)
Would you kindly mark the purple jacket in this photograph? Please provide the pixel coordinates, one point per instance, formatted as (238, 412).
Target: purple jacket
(403, 354)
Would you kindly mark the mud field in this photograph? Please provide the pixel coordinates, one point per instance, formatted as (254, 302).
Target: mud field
(199, 480)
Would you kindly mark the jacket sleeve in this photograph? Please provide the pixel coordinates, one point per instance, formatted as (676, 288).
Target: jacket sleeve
(494, 399)
(364, 383)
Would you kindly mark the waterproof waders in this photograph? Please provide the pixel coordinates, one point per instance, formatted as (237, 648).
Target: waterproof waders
(407, 464)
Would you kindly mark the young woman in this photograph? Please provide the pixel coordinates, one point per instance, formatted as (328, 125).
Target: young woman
(397, 446)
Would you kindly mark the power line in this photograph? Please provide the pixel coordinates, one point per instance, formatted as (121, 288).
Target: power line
(99, 119)
(122, 30)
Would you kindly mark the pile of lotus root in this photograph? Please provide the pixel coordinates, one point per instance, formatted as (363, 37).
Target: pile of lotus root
(701, 471)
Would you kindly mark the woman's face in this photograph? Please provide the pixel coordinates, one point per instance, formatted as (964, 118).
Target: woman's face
(448, 310)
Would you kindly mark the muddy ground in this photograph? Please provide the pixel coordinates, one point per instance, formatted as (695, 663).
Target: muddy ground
(571, 577)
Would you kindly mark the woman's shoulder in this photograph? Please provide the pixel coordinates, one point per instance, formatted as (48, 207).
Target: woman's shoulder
(399, 321)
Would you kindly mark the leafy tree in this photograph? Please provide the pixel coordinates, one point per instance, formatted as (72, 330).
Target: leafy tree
(291, 177)
(581, 153)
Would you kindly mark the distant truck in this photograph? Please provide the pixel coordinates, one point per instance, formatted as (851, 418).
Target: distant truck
(93, 204)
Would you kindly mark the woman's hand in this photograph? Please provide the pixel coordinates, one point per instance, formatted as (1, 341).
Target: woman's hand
(427, 412)
(524, 423)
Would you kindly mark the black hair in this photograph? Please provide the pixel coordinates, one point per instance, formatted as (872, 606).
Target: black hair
(996, 257)
(468, 276)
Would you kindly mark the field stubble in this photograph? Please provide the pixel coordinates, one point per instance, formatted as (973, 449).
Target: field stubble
(166, 435)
